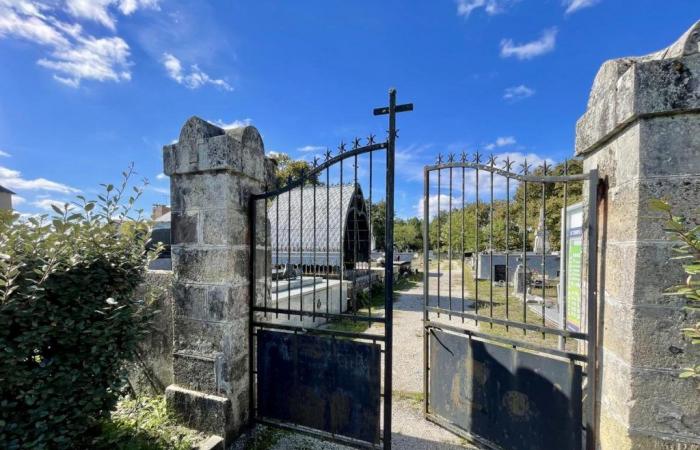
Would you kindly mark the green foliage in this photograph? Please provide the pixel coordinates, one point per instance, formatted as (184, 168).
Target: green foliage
(687, 249)
(465, 221)
(408, 234)
(67, 319)
(378, 212)
(143, 423)
(290, 169)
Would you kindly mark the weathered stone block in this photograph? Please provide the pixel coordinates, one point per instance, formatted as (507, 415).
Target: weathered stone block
(201, 411)
(210, 338)
(199, 373)
(212, 265)
(183, 227)
(224, 226)
(189, 301)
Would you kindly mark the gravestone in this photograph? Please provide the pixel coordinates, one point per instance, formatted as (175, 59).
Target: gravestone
(642, 131)
(521, 279)
(212, 175)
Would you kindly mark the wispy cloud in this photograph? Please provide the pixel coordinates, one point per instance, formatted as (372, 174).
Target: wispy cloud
(161, 176)
(501, 142)
(234, 124)
(99, 10)
(4, 154)
(491, 7)
(192, 79)
(575, 5)
(516, 93)
(311, 148)
(529, 50)
(72, 54)
(12, 179)
(47, 203)
(18, 200)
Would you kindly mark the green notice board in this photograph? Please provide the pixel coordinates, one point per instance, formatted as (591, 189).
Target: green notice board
(574, 255)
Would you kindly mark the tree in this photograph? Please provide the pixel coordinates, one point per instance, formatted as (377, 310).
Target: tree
(378, 211)
(288, 168)
(408, 234)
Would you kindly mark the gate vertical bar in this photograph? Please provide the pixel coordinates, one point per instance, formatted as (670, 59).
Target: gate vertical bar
(592, 299)
(426, 278)
(389, 268)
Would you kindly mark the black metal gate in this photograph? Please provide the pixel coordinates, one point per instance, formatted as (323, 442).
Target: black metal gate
(504, 363)
(318, 329)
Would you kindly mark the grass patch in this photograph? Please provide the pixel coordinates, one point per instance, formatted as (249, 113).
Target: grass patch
(144, 423)
(414, 397)
(261, 438)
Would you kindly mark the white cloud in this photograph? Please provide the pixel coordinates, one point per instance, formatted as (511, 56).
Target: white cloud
(72, 55)
(501, 142)
(544, 44)
(235, 124)
(4, 154)
(575, 5)
(491, 7)
(17, 200)
(195, 79)
(311, 148)
(161, 176)
(98, 10)
(47, 203)
(160, 190)
(433, 204)
(516, 93)
(12, 179)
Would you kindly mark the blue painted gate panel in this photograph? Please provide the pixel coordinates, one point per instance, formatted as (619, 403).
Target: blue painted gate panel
(514, 399)
(332, 385)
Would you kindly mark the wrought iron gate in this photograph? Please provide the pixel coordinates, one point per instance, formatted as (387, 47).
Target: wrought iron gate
(502, 367)
(309, 266)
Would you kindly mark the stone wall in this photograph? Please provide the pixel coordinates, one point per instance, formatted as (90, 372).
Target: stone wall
(642, 132)
(153, 370)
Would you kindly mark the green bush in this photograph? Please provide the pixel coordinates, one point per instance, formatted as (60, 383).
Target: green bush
(67, 319)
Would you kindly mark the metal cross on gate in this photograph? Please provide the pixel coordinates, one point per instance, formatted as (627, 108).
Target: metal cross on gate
(391, 110)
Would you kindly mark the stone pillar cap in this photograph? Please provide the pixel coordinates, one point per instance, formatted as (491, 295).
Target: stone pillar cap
(628, 88)
(203, 147)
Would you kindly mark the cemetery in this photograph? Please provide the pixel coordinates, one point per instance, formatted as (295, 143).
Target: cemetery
(290, 303)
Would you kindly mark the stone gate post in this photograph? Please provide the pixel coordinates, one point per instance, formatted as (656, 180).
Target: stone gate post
(642, 131)
(212, 173)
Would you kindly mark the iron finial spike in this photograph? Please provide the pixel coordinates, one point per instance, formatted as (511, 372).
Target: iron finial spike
(451, 158)
(508, 164)
(464, 157)
(356, 143)
(341, 147)
(328, 154)
(492, 160)
(477, 157)
(315, 161)
(370, 139)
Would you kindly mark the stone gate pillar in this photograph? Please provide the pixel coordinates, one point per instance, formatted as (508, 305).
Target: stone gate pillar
(642, 131)
(212, 173)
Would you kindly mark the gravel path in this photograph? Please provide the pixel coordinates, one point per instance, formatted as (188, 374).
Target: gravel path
(410, 430)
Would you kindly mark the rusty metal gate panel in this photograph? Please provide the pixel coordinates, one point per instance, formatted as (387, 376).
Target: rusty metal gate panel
(502, 364)
(507, 398)
(319, 382)
(310, 252)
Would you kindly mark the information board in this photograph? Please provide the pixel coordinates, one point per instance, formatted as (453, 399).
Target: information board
(574, 256)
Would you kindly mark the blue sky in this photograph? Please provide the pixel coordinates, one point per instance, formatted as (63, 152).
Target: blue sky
(89, 86)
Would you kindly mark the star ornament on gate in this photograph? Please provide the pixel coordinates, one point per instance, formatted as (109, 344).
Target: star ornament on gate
(544, 167)
(439, 158)
(508, 164)
(356, 143)
(492, 160)
(341, 148)
(525, 166)
(464, 157)
(328, 154)
(451, 158)
(477, 157)
(370, 139)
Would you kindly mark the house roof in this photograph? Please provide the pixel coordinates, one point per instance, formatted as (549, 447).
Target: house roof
(7, 191)
(333, 206)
